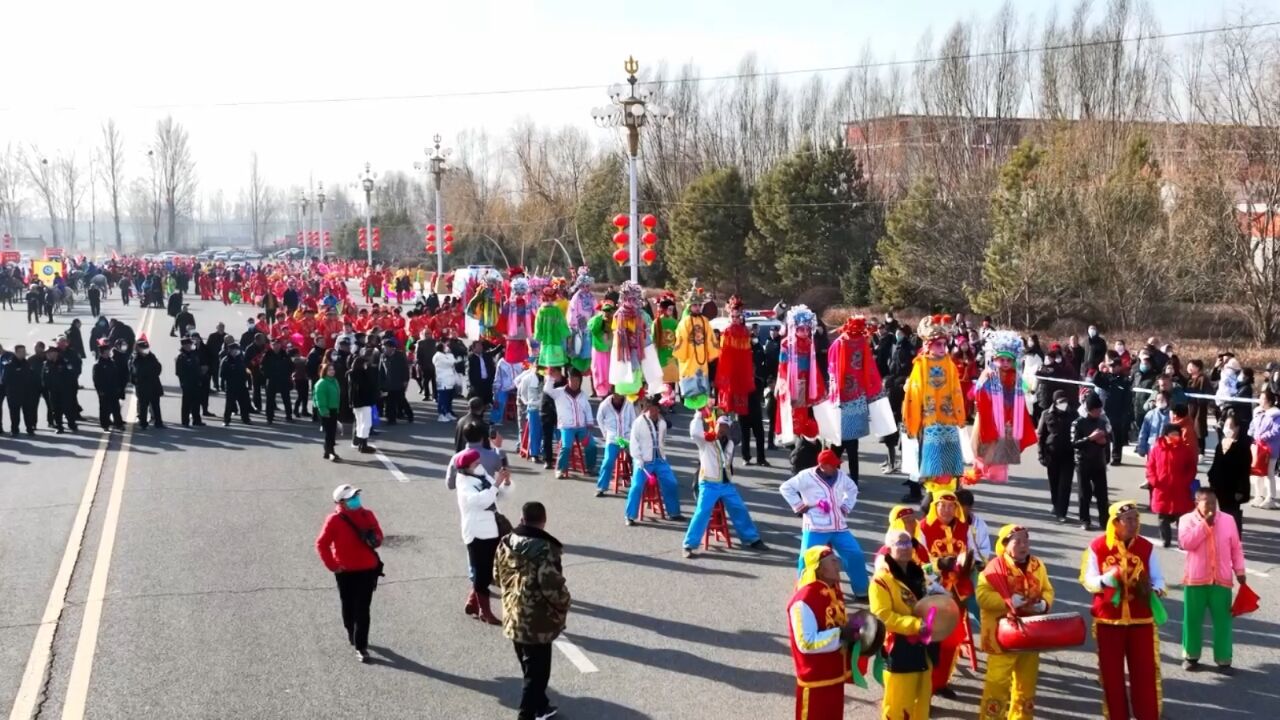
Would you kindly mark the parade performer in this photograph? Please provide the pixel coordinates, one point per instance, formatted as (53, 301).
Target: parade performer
(1003, 426)
(799, 385)
(614, 417)
(483, 306)
(1214, 556)
(710, 434)
(1013, 579)
(945, 534)
(516, 320)
(600, 329)
(695, 348)
(933, 407)
(633, 359)
(664, 338)
(910, 652)
(818, 623)
(735, 373)
(648, 447)
(1122, 571)
(551, 331)
(905, 517)
(824, 495)
(855, 383)
(582, 305)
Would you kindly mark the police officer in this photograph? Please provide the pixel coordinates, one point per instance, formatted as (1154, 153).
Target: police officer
(60, 383)
(106, 382)
(277, 370)
(144, 370)
(22, 390)
(234, 374)
(191, 380)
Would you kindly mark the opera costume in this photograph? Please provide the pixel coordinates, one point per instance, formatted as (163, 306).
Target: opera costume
(516, 321)
(664, 338)
(551, 331)
(816, 618)
(695, 348)
(855, 383)
(933, 407)
(1122, 571)
(1009, 690)
(909, 649)
(582, 306)
(800, 384)
(735, 373)
(600, 330)
(824, 497)
(945, 535)
(483, 307)
(1003, 427)
(633, 360)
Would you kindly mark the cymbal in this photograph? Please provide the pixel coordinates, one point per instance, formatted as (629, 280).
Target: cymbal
(871, 631)
(946, 618)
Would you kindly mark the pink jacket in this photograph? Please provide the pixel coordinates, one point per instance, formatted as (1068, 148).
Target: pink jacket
(1214, 554)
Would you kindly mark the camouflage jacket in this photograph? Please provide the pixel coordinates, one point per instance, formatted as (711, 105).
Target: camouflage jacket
(535, 600)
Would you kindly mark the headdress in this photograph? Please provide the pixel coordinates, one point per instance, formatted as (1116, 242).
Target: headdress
(520, 285)
(734, 305)
(801, 315)
(854, 326)
(549, 293)
(667, 300)
(945, 496)
(582, 280)
(1114, 513)
(1002, 538)
(1004, 343)
(899, 514)
(515, 271)
(695, 297)
(811, 559)
(934, 327)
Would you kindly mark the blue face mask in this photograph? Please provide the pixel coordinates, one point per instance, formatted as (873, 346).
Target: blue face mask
(1144, 367)
(353, 503)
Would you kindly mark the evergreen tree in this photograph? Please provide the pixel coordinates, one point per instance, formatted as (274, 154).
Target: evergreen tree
(709, 230)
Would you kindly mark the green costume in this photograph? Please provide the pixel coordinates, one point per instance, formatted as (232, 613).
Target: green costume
(1217, 600)
(551, 331)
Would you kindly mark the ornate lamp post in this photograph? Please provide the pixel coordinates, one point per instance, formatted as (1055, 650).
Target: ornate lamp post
(437, 164)
(366, 183)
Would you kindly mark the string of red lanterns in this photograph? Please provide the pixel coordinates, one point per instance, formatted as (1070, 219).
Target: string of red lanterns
(430, 239)
(621, 238)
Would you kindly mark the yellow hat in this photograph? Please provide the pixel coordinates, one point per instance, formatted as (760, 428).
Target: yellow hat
(945, 496)
(812, 559)
(1115, 512)
(1002, 537)
(898, 515)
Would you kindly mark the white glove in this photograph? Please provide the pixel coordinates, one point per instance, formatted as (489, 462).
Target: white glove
(1038, 607)
(1109, 579)
(1018, 600)
(935, 589)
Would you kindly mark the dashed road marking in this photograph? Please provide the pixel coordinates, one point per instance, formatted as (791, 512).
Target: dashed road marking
(391, 467)
(576, 656)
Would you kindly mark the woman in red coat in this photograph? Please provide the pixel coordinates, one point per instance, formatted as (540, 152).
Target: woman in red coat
(348, 545)
(1171, 469)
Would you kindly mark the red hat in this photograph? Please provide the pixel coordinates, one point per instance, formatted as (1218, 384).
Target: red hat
(514, 272)
(828, 457)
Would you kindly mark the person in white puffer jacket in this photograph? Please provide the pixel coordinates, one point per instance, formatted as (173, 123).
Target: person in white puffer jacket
(447, 381)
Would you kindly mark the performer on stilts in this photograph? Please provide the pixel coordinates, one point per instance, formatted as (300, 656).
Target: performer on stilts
(1003, 426)
(933, 411)
(695, 348)
(855, 383)
(735, 372)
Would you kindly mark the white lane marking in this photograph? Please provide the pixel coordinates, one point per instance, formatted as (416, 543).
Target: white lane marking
(74, 706)
(1255, 573)
(391, 467)
(576, 656)
(33, 678)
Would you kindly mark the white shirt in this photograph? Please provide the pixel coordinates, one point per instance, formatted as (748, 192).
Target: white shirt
(714, 461)
(529, 388)
(1093, 577)
(615, 423)
(504, 376)
(806, 488)
(572, 411)
(979, 536)
(478, 522)
(644, 449)
(446, 373)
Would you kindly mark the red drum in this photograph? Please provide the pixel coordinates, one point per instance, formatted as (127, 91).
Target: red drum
(1038, 633)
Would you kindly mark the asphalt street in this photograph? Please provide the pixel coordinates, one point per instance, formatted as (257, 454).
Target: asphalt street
(172, 574)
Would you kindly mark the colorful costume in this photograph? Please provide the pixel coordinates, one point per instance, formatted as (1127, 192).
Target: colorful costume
(483, 306)
(634, 361)
(1124, 578)
(695, 348)
(816, 616)
(826, 501)
(551, 331)
(855, 380)
(516, 320)
(600, 330)
(1009, 691)
(664, 339)
(1003, 427)
(582, 305)
(800, 384)
(945, 542)
(735, 373)
(895, 590)
(933, 407)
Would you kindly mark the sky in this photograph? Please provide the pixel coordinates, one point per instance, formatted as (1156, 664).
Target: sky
(214, 65)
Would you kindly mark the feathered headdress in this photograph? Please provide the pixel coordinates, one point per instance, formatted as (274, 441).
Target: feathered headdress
(801, 316)
(1004, 343)
(630, 294)
(935, 327)
(492, 279)
(582, 280)
(520, 286)
(734, 305)
(695, 297)
(668, 299)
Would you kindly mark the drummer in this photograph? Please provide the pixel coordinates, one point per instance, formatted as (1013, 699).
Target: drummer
(896, 587)
(905, 517)
(1009, 691)
(819, 628)
(945, 535)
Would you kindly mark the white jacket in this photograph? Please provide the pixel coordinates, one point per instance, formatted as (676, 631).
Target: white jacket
(571, 411)
(446, 373)
(473, 503)
(529, 388)
(504, 376)
(806, 488)
(714, 461)
(615, 423)
(642, 430)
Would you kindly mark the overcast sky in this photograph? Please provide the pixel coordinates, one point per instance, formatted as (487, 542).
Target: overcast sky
(71, 64)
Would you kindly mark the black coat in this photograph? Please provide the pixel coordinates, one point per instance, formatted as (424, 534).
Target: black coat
(1229, 473)
(144, 371)
(60, 379)
(121, 362)
(106, 379)
(20, 381)
(1046, 378)
(121, 332)
(185, 322)
(1055, 439)
(175, 304)
(314, 359)
(1095, 350)
(277, 368)
(234, 374)
(1116, 393)
(1089, 453)
(394, 371)
(362, 386)
(187, 366)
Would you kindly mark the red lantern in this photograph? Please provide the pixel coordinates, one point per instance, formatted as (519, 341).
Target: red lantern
(431, 248)
(448, 238)
(649, 221)
(621, 220)
(431, 227)
(448, 229)
(431, 237)
(649, 238)
(621, 238)
(649, 255)
(621, 256)
(448, 249)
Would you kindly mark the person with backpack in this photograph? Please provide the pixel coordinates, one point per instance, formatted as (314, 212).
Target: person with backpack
(348, 546)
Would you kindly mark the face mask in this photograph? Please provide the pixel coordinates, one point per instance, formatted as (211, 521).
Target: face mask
(1161, 406)
(353, 503)
(1144, 367)
(1093, 332)
(1062, 406)
(898, 337)
(144, 352)
(1228, 432)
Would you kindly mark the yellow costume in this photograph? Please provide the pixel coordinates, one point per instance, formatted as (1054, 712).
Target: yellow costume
(1009, 691)
(695, 348)
(907, 688)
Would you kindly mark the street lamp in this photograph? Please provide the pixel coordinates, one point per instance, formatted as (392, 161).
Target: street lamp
(632, 110)
(366, 182)
(437, 164)
(319, 223)
(302, 221)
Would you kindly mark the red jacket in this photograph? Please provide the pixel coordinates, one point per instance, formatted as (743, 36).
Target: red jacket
(1171, 467)
(341, 548)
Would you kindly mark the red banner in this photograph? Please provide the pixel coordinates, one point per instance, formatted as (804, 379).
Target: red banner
(10, 256)
(52, 253)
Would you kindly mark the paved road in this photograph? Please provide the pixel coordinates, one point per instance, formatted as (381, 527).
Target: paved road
(194, 590)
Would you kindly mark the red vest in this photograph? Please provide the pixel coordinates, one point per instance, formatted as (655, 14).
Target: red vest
(827, 605)
(939, 545)
(1133, 565)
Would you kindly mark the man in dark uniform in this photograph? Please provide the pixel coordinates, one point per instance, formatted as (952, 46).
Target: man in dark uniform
(106, 382)
(95, 299)
(61, 384)
(22, 390)
(769, 373)
(254, 355)
(185, 322)
(144, 371)
(394, 377)
(187, 366)
(753, 421)
(277, 372)
(35, 302)
(235, 383)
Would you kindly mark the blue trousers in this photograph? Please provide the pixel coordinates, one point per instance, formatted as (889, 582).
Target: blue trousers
(666, 485)
(499, 411)
(855, 565)
(611, 453)
(567, 437)
(533, 420)
(444, 401)
(709, 493)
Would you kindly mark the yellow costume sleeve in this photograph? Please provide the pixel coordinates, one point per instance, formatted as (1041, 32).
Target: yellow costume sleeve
(882, 606)
(988, 598)
(1046, 587)
(713, 345)
(957, 396)
(912, 401)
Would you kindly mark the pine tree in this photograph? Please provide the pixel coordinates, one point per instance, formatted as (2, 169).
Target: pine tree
(709, 230)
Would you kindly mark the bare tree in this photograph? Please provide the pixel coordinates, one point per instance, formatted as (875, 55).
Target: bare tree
(71, 183)
(261, 209)
(10, 182)
(42, 176)
(177, 172)
(111, 172)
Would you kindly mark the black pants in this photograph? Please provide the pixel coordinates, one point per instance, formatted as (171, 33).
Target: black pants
(191, 406)
(1060, 475)
(535, 665)
(237, 400)
(62, 406)
(754, 423)
(33, 312)
(1093, 486)
(28, 411)
(149, 409)
(397, 405)
(108, 411)
(549, 434)
(300, 399)
(1119, 437)
(1167, 525)
(1237, 513)
(282, 392)
(852, 447)
(330, 424)
(206, 389)
(355, 589)
(258, 382)
(771, 410)
(480, 552)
